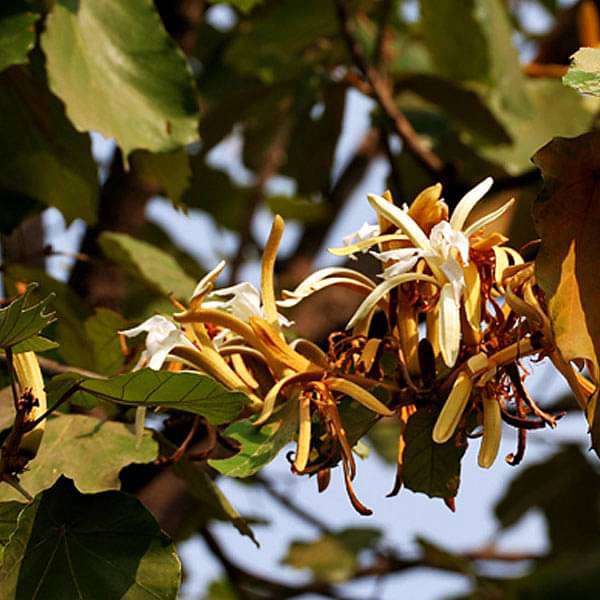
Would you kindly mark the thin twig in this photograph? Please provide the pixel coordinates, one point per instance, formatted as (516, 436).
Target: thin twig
(383, 94)
(52, 367)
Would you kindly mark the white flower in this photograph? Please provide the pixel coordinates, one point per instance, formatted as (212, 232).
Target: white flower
(366, 232)
(405, 259)
(446, 250)
(447, 244)
(163, 336)
(206, 283)
(245, 302)
(445, 247)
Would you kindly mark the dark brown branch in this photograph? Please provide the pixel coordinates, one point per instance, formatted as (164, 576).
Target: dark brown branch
(383, 94)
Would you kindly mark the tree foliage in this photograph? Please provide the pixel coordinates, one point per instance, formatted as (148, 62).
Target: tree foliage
(416, 354)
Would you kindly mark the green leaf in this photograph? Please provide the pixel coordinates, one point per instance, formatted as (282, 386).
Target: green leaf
(556, 111)
(159, 270)
(430, 468)
(334, 556)
(244, 5)
(584, 73)
(456, 55)
(258, 445)
(190, 392)
(119, 73)
(88, 451)
(169, 172)
(213, 503)
(70, 545)
(37, 343)
(21, 320)
(485, 54)
(9, 513)
(42, 156)
(101, 333)
(298, 209)
(567, 218)
(466, 108)
(273, 46)
(566, 488)
(220, 589)
(17, 32)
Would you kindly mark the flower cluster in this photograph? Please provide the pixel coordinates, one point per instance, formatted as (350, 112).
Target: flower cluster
(461, 310)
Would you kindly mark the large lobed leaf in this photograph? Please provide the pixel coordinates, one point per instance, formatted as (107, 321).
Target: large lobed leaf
(119, 73)
(567, 217)
(191, 392)
(70, 545)
(88, 451)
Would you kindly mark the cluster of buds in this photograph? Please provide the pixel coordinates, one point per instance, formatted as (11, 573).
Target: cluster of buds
(461, 310)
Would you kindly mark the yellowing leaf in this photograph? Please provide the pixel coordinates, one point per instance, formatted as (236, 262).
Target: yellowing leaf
(567, 217)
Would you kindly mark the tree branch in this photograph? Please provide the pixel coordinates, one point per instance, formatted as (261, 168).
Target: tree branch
(383, 94)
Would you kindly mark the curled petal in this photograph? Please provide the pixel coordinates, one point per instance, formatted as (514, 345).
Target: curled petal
(352, 284)
(364, 245)
(360, 395)
(321, 274)
(311, 351)
(468, 202)
(401, 219)
(275, 348)
(267, 271)
(489, 218)
(373, 299)
(304, 431)
(206, 283)
(492, 432)
(453, 409)
(271, 397)
(449, 325)
(472, 296)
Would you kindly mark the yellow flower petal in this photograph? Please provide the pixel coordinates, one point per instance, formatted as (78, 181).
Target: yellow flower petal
(29, 375)
(468, 202)
(472, 296)
(365, 244)
(449, 325)
(351, 284)
(271, 397)
(373, 299)
(489, 218)
(453, 409)
(360, 395)
(492, 432)
(268, 269)
(401, 219)
(304, 432)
